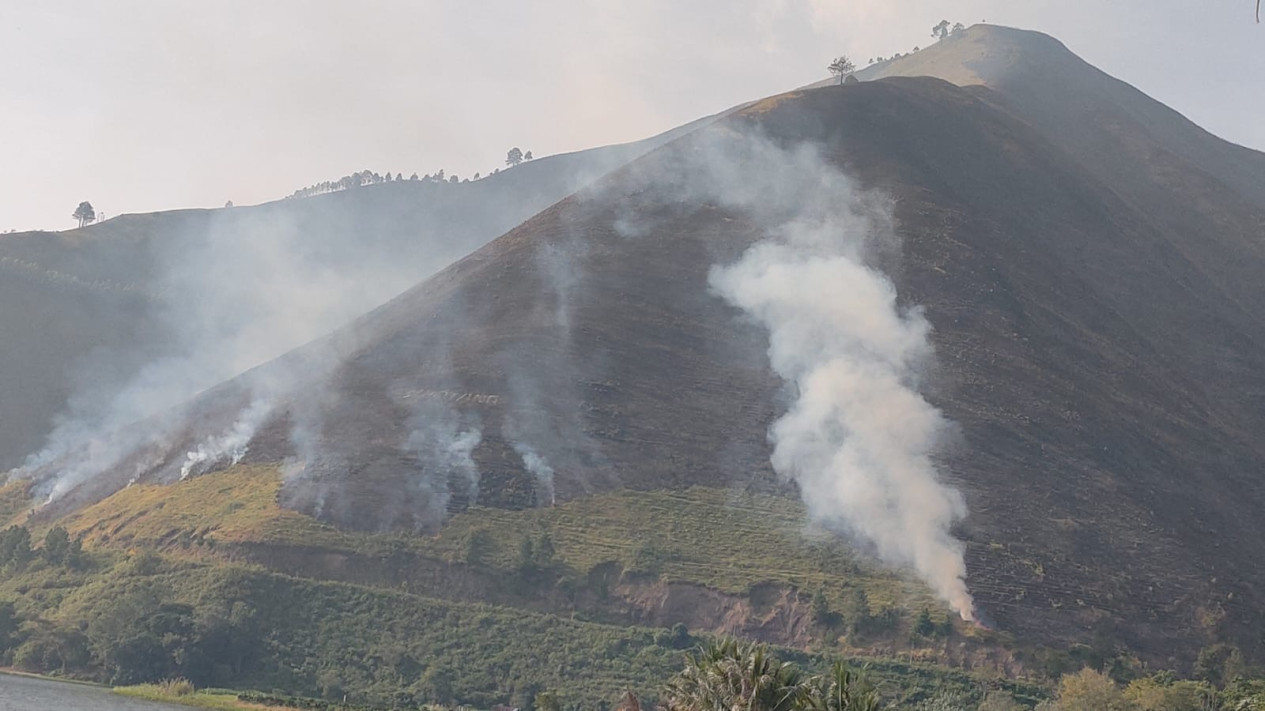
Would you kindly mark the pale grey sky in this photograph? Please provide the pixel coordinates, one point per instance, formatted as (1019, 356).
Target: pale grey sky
(141, 105)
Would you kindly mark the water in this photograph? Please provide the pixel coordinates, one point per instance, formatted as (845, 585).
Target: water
(21, 693)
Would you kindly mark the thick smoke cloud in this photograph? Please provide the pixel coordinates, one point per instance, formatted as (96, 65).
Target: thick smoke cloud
(858, 438)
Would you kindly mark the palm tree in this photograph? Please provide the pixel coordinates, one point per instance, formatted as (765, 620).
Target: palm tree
(841, 689)
(728, 676)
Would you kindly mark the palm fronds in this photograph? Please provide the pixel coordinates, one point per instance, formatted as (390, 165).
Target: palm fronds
(731, 676)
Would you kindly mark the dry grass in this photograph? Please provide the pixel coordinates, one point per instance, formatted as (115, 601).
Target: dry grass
(238, 505)
(766, 105)
(726, 540)
(15, 499)
(176, 687)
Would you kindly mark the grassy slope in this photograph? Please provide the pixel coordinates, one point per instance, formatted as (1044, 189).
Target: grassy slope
(198, 699)
(324, 637)
(723, 540)
(325, 634)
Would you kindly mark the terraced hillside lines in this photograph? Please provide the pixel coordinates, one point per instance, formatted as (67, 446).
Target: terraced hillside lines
(380, 643)
(754, 551)
(321, 638)
(721, 539)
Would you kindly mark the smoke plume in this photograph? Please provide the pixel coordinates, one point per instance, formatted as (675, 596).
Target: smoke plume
(444, 445)
(230, 445)
(544, 417)
(539, 468)
(858, 438)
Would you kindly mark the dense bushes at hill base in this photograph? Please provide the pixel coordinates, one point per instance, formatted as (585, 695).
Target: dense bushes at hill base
(140, 617)
(730, 675)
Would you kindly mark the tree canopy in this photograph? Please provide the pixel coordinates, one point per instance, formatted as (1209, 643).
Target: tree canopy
(729, 675)
(85, 214)
(841, 67)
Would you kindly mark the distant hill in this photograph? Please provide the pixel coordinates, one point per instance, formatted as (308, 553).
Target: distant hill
(1092, 277)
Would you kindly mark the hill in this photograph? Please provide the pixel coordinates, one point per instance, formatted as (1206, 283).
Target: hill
(1096, 344)
(111, 322)
(1034, 73)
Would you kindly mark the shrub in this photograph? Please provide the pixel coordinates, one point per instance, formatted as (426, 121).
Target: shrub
(176, 687)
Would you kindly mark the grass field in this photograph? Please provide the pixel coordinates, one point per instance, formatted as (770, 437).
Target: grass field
(724, 540)
(380, 643)
(328, 639)
(198, 699)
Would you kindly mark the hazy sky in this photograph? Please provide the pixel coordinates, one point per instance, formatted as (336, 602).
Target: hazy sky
(158, 104)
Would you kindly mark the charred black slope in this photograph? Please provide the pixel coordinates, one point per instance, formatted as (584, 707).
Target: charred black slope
(81, 307)
(1108, 125)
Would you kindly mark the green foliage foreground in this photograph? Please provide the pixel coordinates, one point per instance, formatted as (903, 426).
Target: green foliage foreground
(730, 675)
(141, 617)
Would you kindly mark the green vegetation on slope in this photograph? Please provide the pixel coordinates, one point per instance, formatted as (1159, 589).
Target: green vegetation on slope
(721, 540)
(141, 617)
(122, 613)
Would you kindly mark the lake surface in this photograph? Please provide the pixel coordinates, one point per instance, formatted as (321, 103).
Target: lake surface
(21, 693)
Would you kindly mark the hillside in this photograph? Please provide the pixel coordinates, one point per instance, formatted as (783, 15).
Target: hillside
(1093, 295)
(86, 311)
(1035, 75)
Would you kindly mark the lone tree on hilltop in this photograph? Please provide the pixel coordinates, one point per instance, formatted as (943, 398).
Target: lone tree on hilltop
(841, 67)
(941, 30)
(514, 157)
(85, 214)
(527, 155)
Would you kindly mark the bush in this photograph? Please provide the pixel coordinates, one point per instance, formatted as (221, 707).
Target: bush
(1089, 690)
(176, 687)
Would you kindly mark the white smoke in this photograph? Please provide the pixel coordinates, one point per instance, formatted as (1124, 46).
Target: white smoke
(231, 445)
(445, 450)
(544, 419)
(95, 452)
(232, 289)
(858, 438)
(538, 467)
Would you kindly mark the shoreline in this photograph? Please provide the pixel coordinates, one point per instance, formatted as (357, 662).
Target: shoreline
(196, 699)
(149, 692)
(12, 671)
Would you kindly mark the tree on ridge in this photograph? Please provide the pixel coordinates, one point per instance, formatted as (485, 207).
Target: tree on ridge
(84, 213)
(841, 67)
